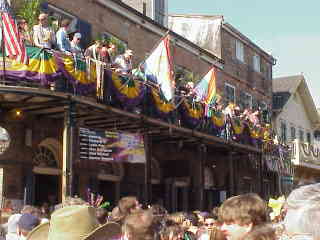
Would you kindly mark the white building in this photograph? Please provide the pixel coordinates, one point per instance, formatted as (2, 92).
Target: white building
(295, 119)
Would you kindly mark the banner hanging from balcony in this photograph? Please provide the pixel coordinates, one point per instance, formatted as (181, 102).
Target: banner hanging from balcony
(161, 105)
(98, 145)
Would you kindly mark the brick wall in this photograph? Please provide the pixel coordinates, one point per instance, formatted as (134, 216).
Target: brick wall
(241, 74)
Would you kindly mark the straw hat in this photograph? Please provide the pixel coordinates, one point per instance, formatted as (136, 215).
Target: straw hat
(109, 230)
(76, 222)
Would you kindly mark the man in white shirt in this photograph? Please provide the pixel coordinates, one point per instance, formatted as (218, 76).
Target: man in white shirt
(43, 35)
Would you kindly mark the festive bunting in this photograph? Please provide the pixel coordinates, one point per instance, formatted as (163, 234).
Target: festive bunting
(191, 113)
(128, 91)
(218, 119)
(162, 106)
(42, 67)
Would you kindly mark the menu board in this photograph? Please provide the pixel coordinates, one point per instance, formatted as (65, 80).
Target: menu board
(101, 145)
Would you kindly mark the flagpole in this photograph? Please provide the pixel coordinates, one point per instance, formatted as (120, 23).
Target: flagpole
(3, 51)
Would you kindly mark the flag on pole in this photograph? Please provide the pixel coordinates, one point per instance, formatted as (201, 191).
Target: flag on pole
(158, 68)
(11, 39)
(206, 88)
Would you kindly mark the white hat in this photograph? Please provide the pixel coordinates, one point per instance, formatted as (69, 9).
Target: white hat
(129, 52)
(77, 35)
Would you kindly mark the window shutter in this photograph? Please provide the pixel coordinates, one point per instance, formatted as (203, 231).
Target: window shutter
(44, 7)
(242, 100)
(255, 104)
(85, 30)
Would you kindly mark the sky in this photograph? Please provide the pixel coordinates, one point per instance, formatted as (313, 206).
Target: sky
(287, 29)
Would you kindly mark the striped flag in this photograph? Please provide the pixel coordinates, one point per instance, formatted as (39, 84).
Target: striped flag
(158, 68)
(206, 88)
(13, 44)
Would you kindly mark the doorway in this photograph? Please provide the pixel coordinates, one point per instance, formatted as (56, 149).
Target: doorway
(45, 186)
(108, 190)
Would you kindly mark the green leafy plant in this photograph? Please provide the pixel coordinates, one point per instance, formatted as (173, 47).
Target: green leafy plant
(29, 10)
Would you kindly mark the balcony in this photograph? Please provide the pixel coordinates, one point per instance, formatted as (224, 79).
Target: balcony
(305, 155)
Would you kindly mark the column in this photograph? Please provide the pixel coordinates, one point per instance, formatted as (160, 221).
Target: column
(231, 174)
(68, 150)
(147, 170)
(200, 181)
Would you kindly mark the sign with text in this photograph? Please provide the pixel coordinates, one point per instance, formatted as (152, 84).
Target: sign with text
(101, 145)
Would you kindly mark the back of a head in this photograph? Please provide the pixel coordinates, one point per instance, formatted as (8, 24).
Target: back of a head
(244, 209)
(126, 204)
(171, 233)
(304, 195)
(262, 232)
(139, 226)
(27, 222)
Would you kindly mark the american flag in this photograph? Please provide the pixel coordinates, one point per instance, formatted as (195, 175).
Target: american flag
(11, 39)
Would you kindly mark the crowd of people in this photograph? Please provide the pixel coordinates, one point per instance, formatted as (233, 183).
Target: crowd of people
(43, 36)
(242, 217)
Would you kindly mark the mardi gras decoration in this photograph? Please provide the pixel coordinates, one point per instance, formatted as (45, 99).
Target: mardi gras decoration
(276, 205)
(96, 200)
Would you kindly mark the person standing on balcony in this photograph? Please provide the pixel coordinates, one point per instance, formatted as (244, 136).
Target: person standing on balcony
(94, 50)
(43, 34)
(75, 45)
(63, 41)
(24, 32)
(123, 62)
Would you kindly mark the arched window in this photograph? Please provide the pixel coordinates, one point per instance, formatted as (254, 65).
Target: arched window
(4, 140)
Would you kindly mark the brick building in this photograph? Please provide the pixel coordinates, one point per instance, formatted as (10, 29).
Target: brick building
(244, 76)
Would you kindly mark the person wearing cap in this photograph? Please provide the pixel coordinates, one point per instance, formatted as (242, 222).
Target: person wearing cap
(26, 224)
(63, 41)
(75, 45)
(12, 227)
(43, 34)
(123, 62)
(94, 50)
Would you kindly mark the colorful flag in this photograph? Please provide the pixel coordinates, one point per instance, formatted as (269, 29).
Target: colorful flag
(13, 44)
(158, 68)
(206, 88)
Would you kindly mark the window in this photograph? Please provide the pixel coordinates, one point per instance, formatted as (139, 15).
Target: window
(121, 45)
(247, 101)
(184, 75)
(301, 135)
(256, 63)
(293, 133)
(159, 11)
(239, 51)
(230, 93)
(283, 129)
(309, 138)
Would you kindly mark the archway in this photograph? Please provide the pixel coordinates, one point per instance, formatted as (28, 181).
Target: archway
(47, 172)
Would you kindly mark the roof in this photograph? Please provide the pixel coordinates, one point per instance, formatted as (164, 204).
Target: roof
(297, 84)
(286, 84)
